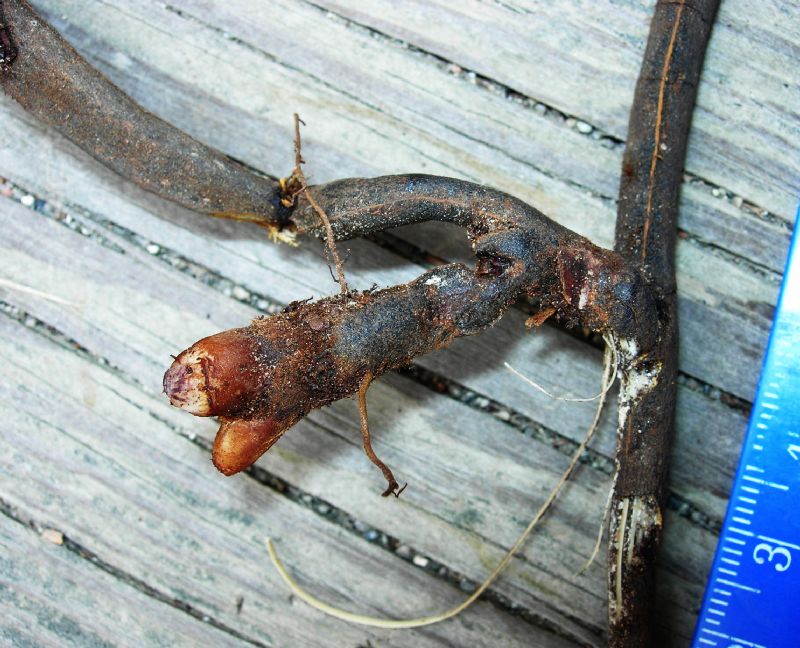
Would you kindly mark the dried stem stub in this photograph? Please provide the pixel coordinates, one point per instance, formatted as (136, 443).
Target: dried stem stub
(297, 184)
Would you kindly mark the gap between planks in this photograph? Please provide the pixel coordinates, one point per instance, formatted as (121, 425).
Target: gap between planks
(431, 380)
(295, 497)
(138, 273)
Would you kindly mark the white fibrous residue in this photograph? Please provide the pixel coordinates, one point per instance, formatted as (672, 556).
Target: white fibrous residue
(637, 382)
(634, 382)
(433, 281)
(628, 348)
(624, 409)
(584, 298)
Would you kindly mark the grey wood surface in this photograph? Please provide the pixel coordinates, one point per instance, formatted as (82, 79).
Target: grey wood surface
(530, 97)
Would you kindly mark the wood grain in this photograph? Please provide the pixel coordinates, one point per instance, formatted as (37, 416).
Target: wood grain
(151, 509)
(46, 590)
(719, 287)
(117, 470)
(583, 59)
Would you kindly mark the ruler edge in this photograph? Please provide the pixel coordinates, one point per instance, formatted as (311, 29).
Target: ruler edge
(794, 252)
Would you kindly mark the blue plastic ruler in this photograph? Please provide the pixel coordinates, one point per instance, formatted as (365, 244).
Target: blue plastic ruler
(752, 597)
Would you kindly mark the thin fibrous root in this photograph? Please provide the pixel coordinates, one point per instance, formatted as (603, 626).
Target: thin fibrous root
(602, 527)
(396, 624)
(393, 487)
(567, 399)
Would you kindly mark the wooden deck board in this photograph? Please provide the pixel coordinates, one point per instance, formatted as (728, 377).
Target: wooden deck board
(556, 358)
(149, 508)
(583, 59)
(118, 471)
(174, 59)
(46, 590)
(323, 461)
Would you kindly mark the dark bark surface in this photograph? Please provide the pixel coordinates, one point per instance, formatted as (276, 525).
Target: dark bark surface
(322, 351)
(646, 232)
(52, 81)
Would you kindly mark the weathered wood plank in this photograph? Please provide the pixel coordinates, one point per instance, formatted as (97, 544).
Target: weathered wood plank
(583, 58)
(444, 449)
(509, 135)
(148, 311)
(515, 144)
(731, 364)
(313, 450)
(553, 358)
(469, 132)
(50, 596)
(373, 108)
(117, 480)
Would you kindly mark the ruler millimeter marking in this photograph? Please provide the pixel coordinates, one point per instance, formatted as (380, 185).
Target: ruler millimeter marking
(752, 597)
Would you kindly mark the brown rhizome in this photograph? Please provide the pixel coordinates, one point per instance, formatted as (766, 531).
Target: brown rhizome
(315, 353)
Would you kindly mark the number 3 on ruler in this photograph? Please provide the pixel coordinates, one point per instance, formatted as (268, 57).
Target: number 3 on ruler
(764, 552)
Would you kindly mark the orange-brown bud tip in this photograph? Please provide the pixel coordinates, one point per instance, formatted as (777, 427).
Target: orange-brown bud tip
(216, 376)
(241, 442)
